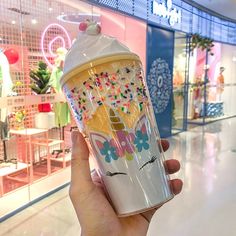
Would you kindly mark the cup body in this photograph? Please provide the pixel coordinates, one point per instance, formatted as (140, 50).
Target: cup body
(111, 105)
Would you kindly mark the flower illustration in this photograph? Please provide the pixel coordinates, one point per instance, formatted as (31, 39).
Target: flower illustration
(109, 152)
(141, 141)
(123, 144)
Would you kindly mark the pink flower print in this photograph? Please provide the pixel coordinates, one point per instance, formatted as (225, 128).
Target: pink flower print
(123, 143)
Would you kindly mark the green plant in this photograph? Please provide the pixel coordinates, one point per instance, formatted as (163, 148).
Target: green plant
(197, 41)
(40, 78)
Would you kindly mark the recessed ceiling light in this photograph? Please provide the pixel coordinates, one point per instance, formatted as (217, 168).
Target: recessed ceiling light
(34, 21)
(50, 9)
(13, 22)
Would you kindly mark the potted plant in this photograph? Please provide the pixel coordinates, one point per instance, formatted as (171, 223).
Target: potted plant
(197, 41)
(40, 78)
(40, 84)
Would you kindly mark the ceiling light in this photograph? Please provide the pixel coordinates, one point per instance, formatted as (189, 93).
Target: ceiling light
(13, 22)
(77, 18)
(50, 9)
(34, 21)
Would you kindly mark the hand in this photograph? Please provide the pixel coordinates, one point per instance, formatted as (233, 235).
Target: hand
(95, 214)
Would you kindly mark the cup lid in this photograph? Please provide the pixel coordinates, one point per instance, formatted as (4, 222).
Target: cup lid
(89, 46)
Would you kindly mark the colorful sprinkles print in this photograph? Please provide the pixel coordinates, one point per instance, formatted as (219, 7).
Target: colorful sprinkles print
(116, 90)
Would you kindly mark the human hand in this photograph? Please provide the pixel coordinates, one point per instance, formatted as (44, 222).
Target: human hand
(94, 211)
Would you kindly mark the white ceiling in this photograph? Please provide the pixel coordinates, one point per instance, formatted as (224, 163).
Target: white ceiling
(39, 9)
(223, 7)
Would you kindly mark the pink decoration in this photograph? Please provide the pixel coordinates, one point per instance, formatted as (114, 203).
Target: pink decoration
(44, 107)
(143, 129)
(124, 143)
(47, 43)
(12, 55)
(99, 144)
(83, 26)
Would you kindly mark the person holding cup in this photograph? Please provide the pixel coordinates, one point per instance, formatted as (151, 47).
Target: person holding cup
(93, 209)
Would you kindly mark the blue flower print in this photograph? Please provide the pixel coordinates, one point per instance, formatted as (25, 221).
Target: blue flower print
(141, 141)
(109, 152)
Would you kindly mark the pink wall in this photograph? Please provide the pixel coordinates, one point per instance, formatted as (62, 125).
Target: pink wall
(213, 62)
(129, 31)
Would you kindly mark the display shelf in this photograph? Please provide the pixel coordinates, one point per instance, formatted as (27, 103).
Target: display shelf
(39, 137)
(65, 158)
(28, 132)
(19, 101)
(12, 169)
(62, 159)
(49, 142)
(7, 170)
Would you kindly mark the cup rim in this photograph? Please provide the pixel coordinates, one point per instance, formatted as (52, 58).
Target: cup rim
(95, 62)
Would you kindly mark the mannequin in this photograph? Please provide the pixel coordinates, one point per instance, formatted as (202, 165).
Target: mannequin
(5, 90)
(220, 83)
(61, 109)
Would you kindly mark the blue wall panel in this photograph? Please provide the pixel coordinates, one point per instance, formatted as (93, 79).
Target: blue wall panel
(140, 8)
(126, 6)
(110, 3)
(160, 53)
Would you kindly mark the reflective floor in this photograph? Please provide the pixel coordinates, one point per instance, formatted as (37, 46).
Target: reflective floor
(206, 206)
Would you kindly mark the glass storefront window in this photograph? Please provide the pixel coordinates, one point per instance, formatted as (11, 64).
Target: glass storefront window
(212, 83)
(179, 83)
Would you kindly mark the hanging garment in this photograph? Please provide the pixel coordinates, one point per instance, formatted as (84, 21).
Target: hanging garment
(5, 90)
(61, 109)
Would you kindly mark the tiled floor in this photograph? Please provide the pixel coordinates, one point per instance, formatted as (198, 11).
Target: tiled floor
(206, 206)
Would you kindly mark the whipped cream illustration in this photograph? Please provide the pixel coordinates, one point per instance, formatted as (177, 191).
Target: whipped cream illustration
(91, 45)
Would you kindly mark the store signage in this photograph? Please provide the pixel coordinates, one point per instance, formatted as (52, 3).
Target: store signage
(19, 101)
(166, 10)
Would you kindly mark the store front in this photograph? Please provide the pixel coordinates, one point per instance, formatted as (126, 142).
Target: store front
(212, 84)
(180, 83)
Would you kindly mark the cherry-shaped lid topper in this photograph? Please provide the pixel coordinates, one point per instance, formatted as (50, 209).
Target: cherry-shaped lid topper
(90, 27)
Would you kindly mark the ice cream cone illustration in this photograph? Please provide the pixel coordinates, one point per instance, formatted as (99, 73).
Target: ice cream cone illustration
(123, 137)
(116, 123)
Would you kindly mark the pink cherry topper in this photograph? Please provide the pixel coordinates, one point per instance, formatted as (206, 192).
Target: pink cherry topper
(90, 27)
(83, 26)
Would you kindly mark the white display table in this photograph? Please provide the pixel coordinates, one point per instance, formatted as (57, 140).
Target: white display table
(32, 137)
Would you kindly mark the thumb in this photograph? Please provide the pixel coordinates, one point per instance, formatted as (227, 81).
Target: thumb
(81, 180)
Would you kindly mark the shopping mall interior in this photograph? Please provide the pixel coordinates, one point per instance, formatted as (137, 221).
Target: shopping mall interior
(168, 72)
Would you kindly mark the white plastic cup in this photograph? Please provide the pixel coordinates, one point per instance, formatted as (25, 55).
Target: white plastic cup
(111, 105)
